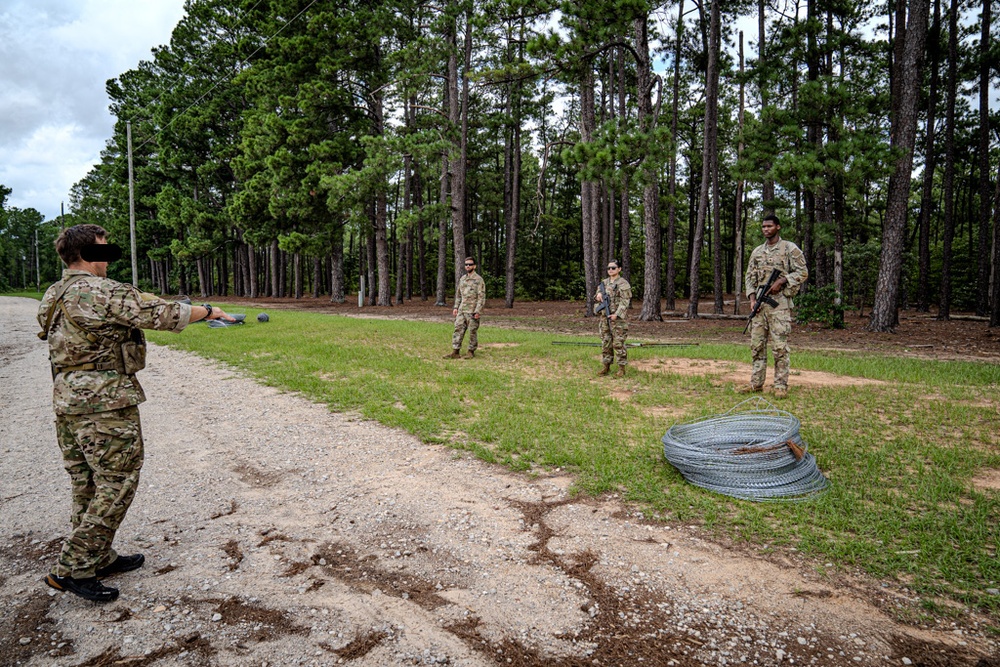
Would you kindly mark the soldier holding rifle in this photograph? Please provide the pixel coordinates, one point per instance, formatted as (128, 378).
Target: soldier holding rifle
(614, 296)
(773, 319)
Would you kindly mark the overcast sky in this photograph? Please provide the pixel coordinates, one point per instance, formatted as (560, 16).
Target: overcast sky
(55, 59)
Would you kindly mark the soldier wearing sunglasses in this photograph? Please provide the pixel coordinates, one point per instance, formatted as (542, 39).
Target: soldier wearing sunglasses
(614, 326)
(470, 297)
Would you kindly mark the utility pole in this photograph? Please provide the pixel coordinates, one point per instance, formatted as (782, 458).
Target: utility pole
(131, 204)
(38, 272)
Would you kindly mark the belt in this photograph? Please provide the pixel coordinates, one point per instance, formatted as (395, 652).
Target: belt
(92, 366)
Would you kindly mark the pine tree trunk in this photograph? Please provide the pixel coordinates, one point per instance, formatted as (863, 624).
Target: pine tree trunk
(297, 268)
(337, 288)
(983, 280)
(283, 273)
(738, 233)
(202, 278)
(930, 163)
(588, 194)
(671, 287)
(515, 204)
(442, 272)
(904, 130)
(508, 198)
(459, 118)
(944, 306)
(716, 237)
(380, 218)
(995, 270)
(708, 154)
(275, 269)
(623, 215)
(652, 286)
(421, 248)
(767, 187)
(408, 207)
(370, 267)
(252, 270)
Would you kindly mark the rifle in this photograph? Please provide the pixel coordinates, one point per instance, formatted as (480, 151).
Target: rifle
(762, 296)
(605, 304)
(569, 342)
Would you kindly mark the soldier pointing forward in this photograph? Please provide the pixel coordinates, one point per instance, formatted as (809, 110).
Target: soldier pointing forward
(93, 326)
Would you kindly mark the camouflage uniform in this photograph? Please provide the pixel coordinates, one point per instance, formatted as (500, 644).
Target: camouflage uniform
(470, 297)
(95, 401)
(613, 337)
(774, 322)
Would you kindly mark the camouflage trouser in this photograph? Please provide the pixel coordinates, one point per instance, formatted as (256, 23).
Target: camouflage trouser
(613, 341)
(462, 322)
(102, 452)
(774, 325)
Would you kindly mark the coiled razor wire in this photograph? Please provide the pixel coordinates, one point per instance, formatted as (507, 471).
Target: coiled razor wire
(753, 452)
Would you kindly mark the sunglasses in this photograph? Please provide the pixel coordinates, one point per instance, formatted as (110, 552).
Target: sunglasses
(470, 264)
(612, 268)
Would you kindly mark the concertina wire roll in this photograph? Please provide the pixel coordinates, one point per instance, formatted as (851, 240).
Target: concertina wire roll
(752, 452)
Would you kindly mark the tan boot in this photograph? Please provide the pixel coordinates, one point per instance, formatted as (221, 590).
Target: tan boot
(781, 392)
(749, 389)
(620, 373)
(472, 354)
(454, 355)
(605, 370)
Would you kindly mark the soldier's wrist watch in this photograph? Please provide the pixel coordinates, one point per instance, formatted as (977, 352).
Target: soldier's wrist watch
(208, 307)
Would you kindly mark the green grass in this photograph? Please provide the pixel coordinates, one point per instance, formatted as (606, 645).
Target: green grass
(29, 293)
(901, 456)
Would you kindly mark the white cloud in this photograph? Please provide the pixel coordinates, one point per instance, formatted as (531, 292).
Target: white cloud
(56, 57)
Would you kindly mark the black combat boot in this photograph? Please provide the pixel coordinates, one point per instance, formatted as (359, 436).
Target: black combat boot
(121, 564)
(89, 588)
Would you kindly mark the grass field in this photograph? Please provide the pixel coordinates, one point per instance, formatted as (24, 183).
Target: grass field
(902, 458)
(29, 293)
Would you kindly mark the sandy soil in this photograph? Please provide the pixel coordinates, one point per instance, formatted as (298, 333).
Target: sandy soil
(277, 533)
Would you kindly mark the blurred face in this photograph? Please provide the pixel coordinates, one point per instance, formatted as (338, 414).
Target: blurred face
(614, 270)
(100, 268)
(470, 266)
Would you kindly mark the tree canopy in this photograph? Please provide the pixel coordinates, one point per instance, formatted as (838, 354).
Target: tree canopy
(288, 146)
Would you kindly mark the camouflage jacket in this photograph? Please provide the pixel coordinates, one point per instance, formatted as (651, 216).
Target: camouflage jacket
(109, 310)
(620, 293)
(470, 297)
(784, 256)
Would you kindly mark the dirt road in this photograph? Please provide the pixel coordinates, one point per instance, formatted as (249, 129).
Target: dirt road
(277, 533)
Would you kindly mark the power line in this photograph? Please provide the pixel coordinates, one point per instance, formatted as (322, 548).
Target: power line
(191, 64)
(234, 71)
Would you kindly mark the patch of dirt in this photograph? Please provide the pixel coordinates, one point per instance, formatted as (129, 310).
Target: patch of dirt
(987, 479)
(29, 631)
(232, 549)
(731, 372)
(255, 621)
